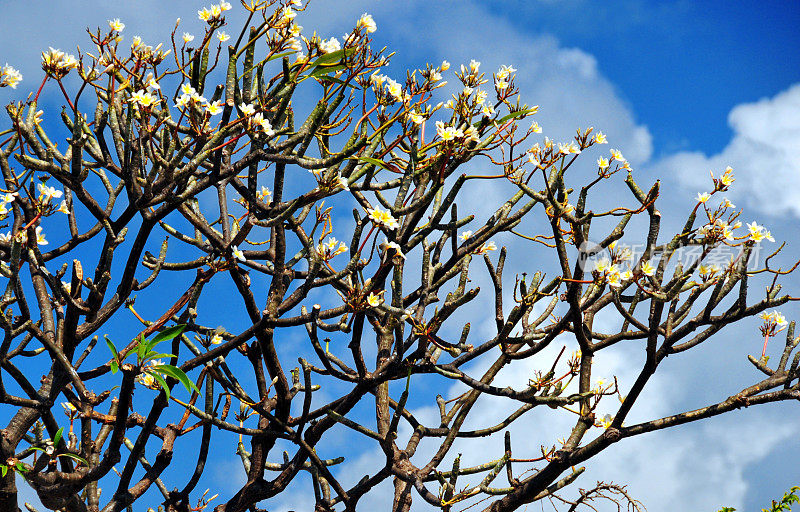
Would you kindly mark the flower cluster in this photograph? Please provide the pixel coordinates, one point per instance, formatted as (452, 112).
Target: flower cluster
(393, 87)
(256, 119)
(146, 378)
(382, 218)
(22, 236)
(147, 53)
(190, 96)
(5, 199)
(608, 271)
(328, 248)
(758, 233)
(213, 14)
(57, 63)
(9, 77)
(503, 77)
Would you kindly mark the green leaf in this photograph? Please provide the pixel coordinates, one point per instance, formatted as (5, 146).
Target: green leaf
(3, 469)
(514, 115)
(58, 435)
(329, 78)
(114, 366)
(280, 56)
(112, 347)
(153, 355)
(141, 347)
(161, 382)
(73, 456)
(329, 59)
(21, 468)
(167, 334)
(324, 70)
(177, 374)
(374, 161)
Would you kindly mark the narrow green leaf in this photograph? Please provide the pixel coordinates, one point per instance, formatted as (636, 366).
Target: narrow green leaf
(374, 161)
(329, 78)
(58, 435)
(177, 374)
(280, 55)
(324, 70)
(167, 334)
(329, 59)
(112, 347)
(161, 382)
(514, 115)
(154, 355)
(3, 469)
(73, 456)
(114, 366)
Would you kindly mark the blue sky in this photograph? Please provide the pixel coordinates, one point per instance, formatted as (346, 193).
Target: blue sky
(681, 87)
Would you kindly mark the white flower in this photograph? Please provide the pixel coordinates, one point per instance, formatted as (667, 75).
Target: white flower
(387, 246)
(647, 268)
(465, 235)
(225, 6)
(602, 163)
(9, 77)
(703, 197)
(504, 72)
(445, 65)
(187, 37)
(146, 380)
(374, 299)
(266, 126)
(182, 100)
(447, 132)
(216, 339)
(222, 36)
(143, 98)
(63, 208)
(395, 89)
(247, 109)
(263, 193)
(488, 246)
(237, 253)
(214, 108)
(116, 25)
(40, 236)
(600, 138)
(366, 22)
(46, 193)
(342, 183)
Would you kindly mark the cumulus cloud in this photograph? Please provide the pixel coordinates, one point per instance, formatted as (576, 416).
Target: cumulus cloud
(764, 152)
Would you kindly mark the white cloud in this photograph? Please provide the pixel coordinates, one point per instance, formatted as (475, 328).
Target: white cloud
(764, 153)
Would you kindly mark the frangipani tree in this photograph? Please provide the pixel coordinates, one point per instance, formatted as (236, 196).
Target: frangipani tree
(199, 184)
